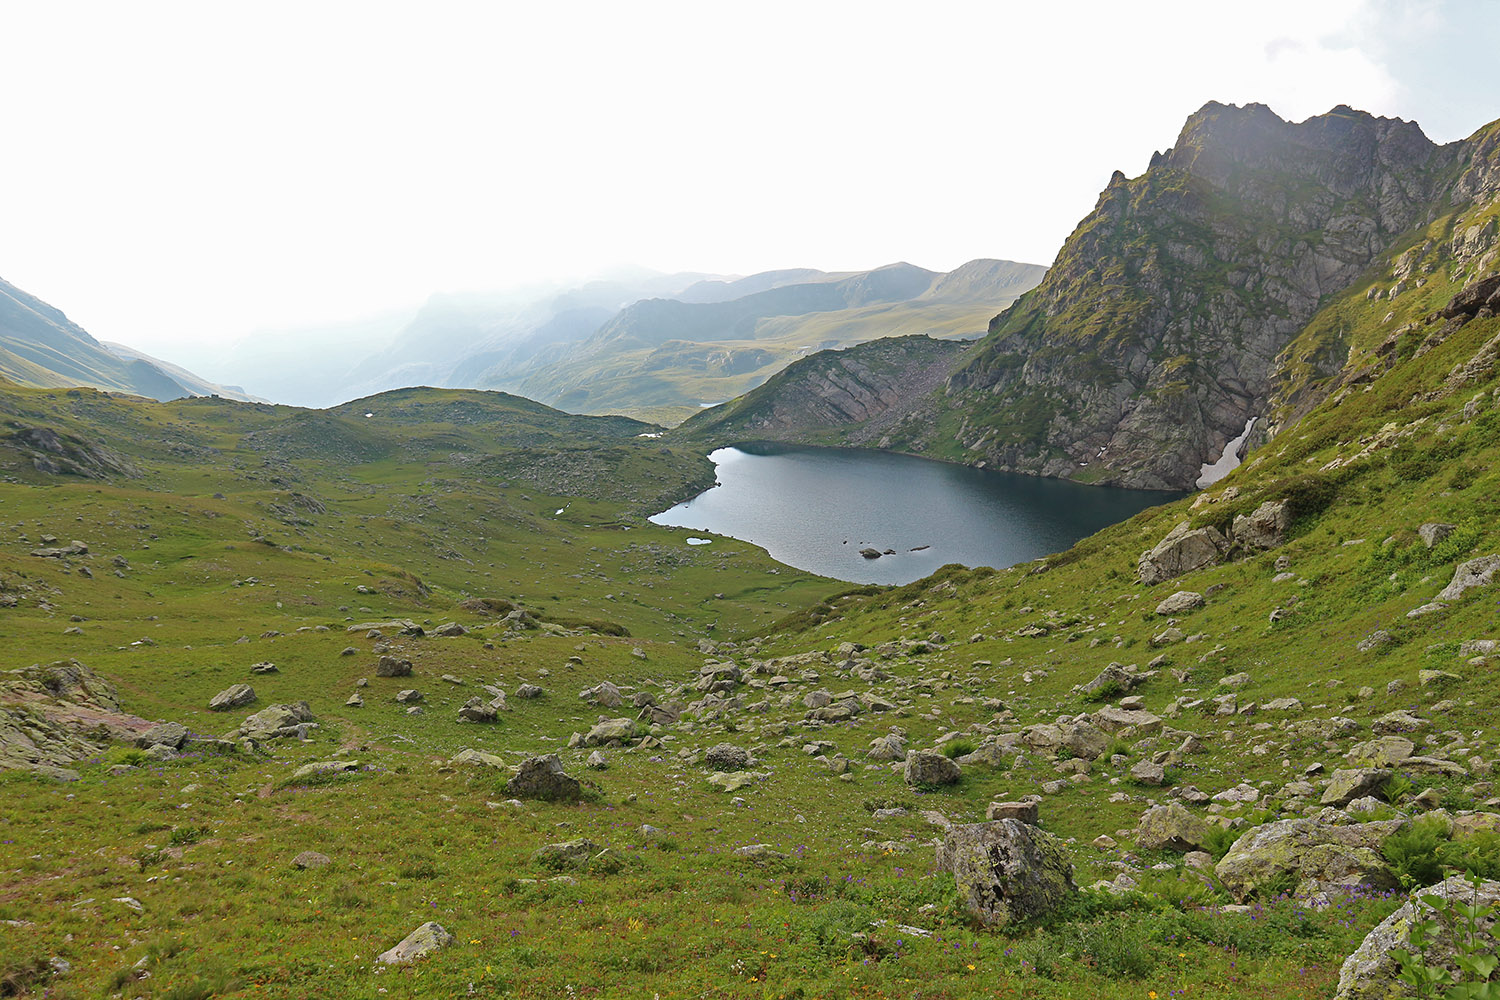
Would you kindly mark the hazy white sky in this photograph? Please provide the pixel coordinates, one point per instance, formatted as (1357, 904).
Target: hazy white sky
(181, 173)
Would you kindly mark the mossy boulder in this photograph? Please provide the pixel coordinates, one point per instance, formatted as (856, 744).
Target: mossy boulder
(1307, 855)
(1171, 827)
(1370, 972)
(1007, 870)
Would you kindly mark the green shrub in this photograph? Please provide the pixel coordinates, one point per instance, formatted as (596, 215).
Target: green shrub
(838, 928)
(1415, 853)
(954, 749)
(1220, 839)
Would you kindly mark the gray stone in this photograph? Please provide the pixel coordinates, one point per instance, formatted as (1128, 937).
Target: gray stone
(1348, 784)
(543, 778)
(410, 696)
(574, 854)
(477, 758)
(1383, 751)
(1370, 972)
(234, 696)
(1264, 528)
(1007, 870)
(1183, 550)
(393, 666)
(477, 710)
(423, 941)
(324, 768)
(1474, 573)
(727, 757)
(1171, 827)
(597, 761)
(1396, 723)
(613, 732)
(924, 767)
(164, 734)
(1180, 602)
(1433, 533)
(889, 747)
(1022, 812)
(1148, 773)
(603, 694)
(311, 859)
(1314, 854)
(528, 691)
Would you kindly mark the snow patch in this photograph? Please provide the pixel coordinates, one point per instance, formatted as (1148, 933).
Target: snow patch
(1212, 472)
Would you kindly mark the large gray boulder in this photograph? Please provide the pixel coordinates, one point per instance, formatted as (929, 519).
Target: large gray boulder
(1183, 550)
(1349, 784)
(1474, 573)
(924, 767)
(418, 944)
(1370, 973)
(1007, 870)
(477, 710)
(275, 721)
(234, 696)
(1180, 602)
(392, 666)
(1308, 855)
(727, 757)
(612, 732)
(603, 694)
(1171, 827)
(165, 734)
(1264, 528)
(543, 778)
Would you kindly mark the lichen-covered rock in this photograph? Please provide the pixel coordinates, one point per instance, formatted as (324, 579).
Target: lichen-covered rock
(277, 721)
(1183, 550)
(1264, 528)
(168, 734)
(234, 696)
(1370, 972)
(1007, 870)
(1308, 855)
(727, 757)
(392, 666)
(567, 854)
(1349, 784)
(1171, 827)
(543, 778)
(924, 767)
(423, 941)
(613, 731)
(1383, 751)
(603, 694)
(477, 710)
(1474, 573)
(1180, 602)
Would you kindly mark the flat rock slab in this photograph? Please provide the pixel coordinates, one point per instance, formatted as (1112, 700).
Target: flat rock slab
(423, 941)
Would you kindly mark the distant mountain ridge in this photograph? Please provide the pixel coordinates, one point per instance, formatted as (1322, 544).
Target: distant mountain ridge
(40, 346)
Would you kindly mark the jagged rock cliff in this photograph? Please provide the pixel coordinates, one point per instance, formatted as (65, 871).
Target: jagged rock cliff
(1152, 339)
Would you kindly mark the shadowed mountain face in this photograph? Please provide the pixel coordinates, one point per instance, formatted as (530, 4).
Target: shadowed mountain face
(1168, 320)
(39, 346)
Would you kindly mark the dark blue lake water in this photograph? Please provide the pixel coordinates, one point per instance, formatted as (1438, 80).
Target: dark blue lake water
(816, 508)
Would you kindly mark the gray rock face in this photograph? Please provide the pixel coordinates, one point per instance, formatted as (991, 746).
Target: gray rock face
(1310, 854)
(420, 943)
(393, 666)
(1183, 550)
(1431, 534)
(543, 778)
(1007, 870)
(727, 757)
(603, 694)
(1370, 972)
(1171, 827)
(1474, 573)
(1264, 528)
(234, 696)
(923, 767)
(1180, 602)
(277, 721)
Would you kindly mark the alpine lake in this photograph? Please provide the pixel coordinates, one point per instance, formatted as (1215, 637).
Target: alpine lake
(825, 510)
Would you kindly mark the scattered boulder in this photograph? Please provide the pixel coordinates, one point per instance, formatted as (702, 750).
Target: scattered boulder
(392, 666)
(324, 768)
(727, 757)
(1312, 854)
(567, 854)
(597, 761)
(1180, 602)
(1431, 534)
(1171, 827)
(264, 668)
(924, 767)
(423, 941)
(1148, 773)
(1114, 677)
(311, 859)
(409, 696)
(1021, 812)
(1474, 573)
(1397, 723)
(1264, 528)
(167, 734)
(477, 758)
(1007, 870)
(613, 732)
(1349, 784)
(278, 721)
(890, 747)
(477, 710)
(543, 778)
(528, 691)
(603, 694)
(234, 696)
(1183, 550)
(1370, 972)
(1381, 752)
(448, 629)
